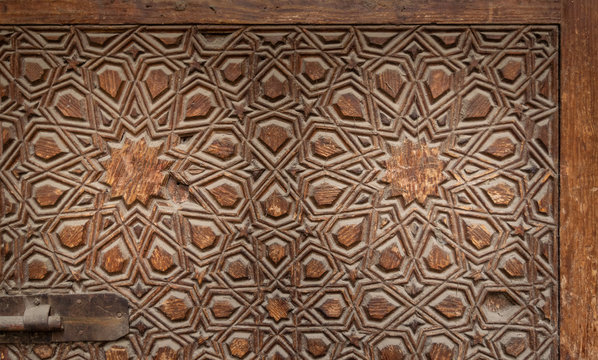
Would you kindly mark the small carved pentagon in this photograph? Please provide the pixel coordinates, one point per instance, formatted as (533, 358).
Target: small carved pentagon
(515, 346)
(316, 347)
(46, 351)
(166, 353)
(225, 195)
(157, 82)
(37, 269)
(71, 107)
(202, 236)
(498, 301)
(47, 195)
(389, 81)
(349, 235)
(33, 71)
(438, 83)
(161, 260)
(314, 269)
(511, 70)
(378, 308)
(233, 72)
(514, 268)
(239, 347)
(440, 352)
(275, 205)
(326, 194)
(390, 258)
(174, 308)
(451, 307)
(46, 148)
(238, 270)
(223, 149)
(110, 81)
(273, 136)
(326, 147)
(278, 308)
(348, 107)
(73, 236)
(438, 259)
(501, 148)
(314, 71)
(274, 89)
(276, 253)
(332, 308)
(391, 352)
(545, 202)
(477, 107)
(222, 309)
(113, 261)
(501, 194)
(478, 236)
(198, 106)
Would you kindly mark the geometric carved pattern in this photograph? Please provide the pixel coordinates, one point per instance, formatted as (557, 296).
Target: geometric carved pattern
(286, 192)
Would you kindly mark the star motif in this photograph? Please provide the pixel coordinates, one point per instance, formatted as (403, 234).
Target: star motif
(476, 274)
(73, 63)
(133, 51)
(135, 171)
(29, 111)
(244, 231)
(353, 275)
(240, 109)
(202, 339)
(474, 63)
(196, 65)
(141, 327)
(353, 62)
(307, 107)
(413, 51)
(273, 39)
(414, 324)
(519, 110)
(354, 337)
(519, 228)
(477, 335)
(202, 277)
(413, 287)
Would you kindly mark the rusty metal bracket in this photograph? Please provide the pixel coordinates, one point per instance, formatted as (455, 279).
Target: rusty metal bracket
(63, 317)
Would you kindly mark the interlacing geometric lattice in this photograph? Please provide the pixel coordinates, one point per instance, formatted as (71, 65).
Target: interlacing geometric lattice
(293, 192)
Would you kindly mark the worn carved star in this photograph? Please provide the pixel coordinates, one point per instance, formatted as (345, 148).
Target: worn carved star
(413, 171)
(134, 171)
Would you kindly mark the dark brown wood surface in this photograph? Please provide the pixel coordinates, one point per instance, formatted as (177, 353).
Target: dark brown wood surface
(579, 181)
(309, 192)
(278, 12)
(578, 134)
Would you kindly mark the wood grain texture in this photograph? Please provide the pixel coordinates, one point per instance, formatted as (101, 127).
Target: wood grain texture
(579, 181)
(278, 12)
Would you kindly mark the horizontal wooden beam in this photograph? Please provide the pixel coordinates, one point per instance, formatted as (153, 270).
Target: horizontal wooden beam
(278, 11)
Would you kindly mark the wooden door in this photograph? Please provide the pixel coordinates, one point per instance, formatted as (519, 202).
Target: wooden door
(287, 191)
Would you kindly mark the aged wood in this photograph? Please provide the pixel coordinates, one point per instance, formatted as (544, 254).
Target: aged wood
(277, 12)
(579, 182)
(288, 191)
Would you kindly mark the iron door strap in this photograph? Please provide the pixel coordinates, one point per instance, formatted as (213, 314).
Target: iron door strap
(63, 317)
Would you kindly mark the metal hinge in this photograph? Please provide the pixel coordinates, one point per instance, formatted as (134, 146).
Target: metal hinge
(63, 317)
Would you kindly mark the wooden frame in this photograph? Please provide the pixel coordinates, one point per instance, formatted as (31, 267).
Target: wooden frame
(579, 97)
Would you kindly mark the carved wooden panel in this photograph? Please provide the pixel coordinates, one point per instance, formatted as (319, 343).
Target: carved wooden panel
(293, 192)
